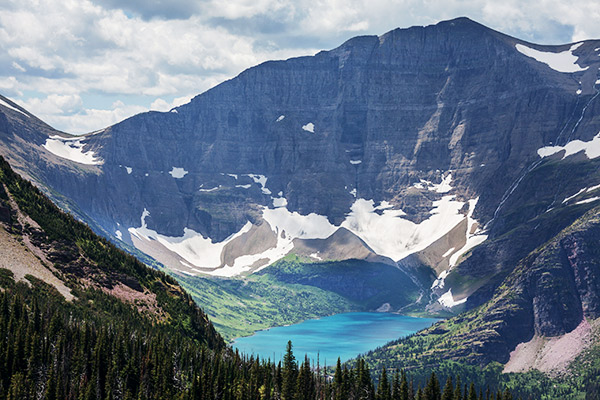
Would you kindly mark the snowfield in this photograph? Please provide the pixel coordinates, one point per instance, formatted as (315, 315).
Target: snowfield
(591, 148)
(383, 227)
(564, 61)
(71, 149)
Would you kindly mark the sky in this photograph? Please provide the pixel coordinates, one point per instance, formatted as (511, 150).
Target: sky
(83, 65)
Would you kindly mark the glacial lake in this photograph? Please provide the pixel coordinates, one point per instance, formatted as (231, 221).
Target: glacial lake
(342, 335)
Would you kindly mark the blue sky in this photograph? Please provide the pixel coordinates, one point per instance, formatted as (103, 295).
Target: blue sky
(82, 65)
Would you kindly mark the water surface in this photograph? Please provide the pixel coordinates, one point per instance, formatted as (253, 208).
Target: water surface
(344, 335)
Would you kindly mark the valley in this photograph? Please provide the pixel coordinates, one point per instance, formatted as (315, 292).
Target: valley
(449, 172)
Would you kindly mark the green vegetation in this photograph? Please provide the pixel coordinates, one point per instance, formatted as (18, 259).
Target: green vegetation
(240, 307)
(293, 290)
(367, 284)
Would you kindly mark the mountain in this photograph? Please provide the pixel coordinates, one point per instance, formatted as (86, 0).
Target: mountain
(450, 153)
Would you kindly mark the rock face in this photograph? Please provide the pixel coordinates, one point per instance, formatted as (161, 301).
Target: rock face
(450, 146)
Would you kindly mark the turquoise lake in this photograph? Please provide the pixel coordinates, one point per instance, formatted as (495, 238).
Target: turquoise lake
(342, 335)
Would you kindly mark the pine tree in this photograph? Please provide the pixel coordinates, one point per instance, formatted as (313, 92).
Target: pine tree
(290, 372)
(472, 392)
(458, 390)
(383, 388)
(396, 386)
(432, 389)
(305, 386)
(448, 393)
(338, 381)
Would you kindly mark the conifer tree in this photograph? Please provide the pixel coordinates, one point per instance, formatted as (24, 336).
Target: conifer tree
(338, 382)
(290, 372)
(432, 389)
(383, 388)
(304, 386)
(396, 386)
(458, 390)
(448, 393)
(472, 392)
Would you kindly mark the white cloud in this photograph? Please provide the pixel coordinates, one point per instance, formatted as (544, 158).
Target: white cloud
(159, 51)
(162, 105)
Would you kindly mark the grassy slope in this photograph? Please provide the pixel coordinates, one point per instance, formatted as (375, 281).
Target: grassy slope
(240, 307)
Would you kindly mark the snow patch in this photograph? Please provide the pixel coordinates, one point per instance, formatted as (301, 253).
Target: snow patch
(447, 253)
(439, 282)
(177, 172)
(575, 195)
(248, 186)
(280, 118)
(192, 246)
(279, 201)
(590, 200)
(355, 162)
(310, 127)
(119, 235)
(316, 256)
(287, 226)
(71, 149)
(578, 91)
(129, 170)
(5, 104)
(353, 192)
(292, 225)
(234, 176)
(590, 189)
(473, 239)
(262, 181)
(564, 61)
(392, 236)
(591, 148)
(447, 300)
(209, 190)
(443, 187)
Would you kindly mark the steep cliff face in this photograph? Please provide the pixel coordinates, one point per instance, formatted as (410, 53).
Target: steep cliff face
(437, 146)
(375, 115)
